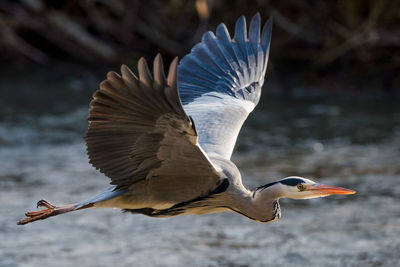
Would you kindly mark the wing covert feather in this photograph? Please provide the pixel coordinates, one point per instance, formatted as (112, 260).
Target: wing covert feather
(138, 130)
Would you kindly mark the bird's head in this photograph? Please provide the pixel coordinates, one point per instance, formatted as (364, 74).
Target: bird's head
(301, 188)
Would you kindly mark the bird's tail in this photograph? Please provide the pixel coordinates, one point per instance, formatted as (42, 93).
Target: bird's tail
(52, 210)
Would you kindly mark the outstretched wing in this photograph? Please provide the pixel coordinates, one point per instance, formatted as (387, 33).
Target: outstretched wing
(220, 82)
(138, 130)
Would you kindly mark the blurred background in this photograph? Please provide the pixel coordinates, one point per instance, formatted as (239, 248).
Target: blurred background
(330, 111)
(350, 46)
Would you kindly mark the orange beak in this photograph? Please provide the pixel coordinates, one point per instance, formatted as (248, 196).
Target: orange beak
(322, 189)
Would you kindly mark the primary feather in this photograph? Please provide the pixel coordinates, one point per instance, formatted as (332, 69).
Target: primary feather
(220, 82)
(139, 131)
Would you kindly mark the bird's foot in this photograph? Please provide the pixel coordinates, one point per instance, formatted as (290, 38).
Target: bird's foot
(45, 203)
(50, 210)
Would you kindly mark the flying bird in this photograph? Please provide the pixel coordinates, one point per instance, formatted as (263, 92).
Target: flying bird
(165, 141)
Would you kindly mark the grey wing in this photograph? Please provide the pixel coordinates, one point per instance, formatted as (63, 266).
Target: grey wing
(139, 131)
(220, 82)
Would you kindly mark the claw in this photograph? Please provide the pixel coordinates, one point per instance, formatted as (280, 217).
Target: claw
(44, 203)
(49, 211)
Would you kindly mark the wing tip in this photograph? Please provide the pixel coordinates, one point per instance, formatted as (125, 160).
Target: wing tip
(158, 70)
(128, 76)
(254, 29)
(144, 72)
(172, 73)
(158, 60)
(142, 64)
(102, 86)
(112, 75)
(207, 35)
(267, 33)
(239, 60)
(125, 70)
(158, 56)
(222, 31)
(270, 22)
(240, 29)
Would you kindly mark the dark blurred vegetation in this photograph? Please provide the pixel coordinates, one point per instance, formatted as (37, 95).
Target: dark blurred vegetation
(340, 46)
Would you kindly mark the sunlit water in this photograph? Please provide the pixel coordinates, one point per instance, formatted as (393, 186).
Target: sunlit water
(346, 143)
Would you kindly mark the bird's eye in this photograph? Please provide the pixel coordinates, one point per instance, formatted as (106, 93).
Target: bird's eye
(301, 187)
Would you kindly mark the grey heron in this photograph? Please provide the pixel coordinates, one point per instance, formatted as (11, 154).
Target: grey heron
(166, 142)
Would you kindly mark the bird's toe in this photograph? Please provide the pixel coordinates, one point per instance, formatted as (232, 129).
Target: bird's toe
(45, 203)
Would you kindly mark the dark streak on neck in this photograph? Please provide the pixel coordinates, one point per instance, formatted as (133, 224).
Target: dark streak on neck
(262, 187)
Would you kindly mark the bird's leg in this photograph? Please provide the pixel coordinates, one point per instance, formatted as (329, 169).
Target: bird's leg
(50, 211)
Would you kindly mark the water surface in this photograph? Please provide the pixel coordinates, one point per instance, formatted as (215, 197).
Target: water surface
(344, 142)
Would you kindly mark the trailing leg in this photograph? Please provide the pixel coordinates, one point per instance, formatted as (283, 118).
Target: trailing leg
(49, 211)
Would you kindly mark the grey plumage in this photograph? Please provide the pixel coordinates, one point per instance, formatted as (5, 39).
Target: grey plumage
(138, 130)
(158, 154)
(167, 151)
